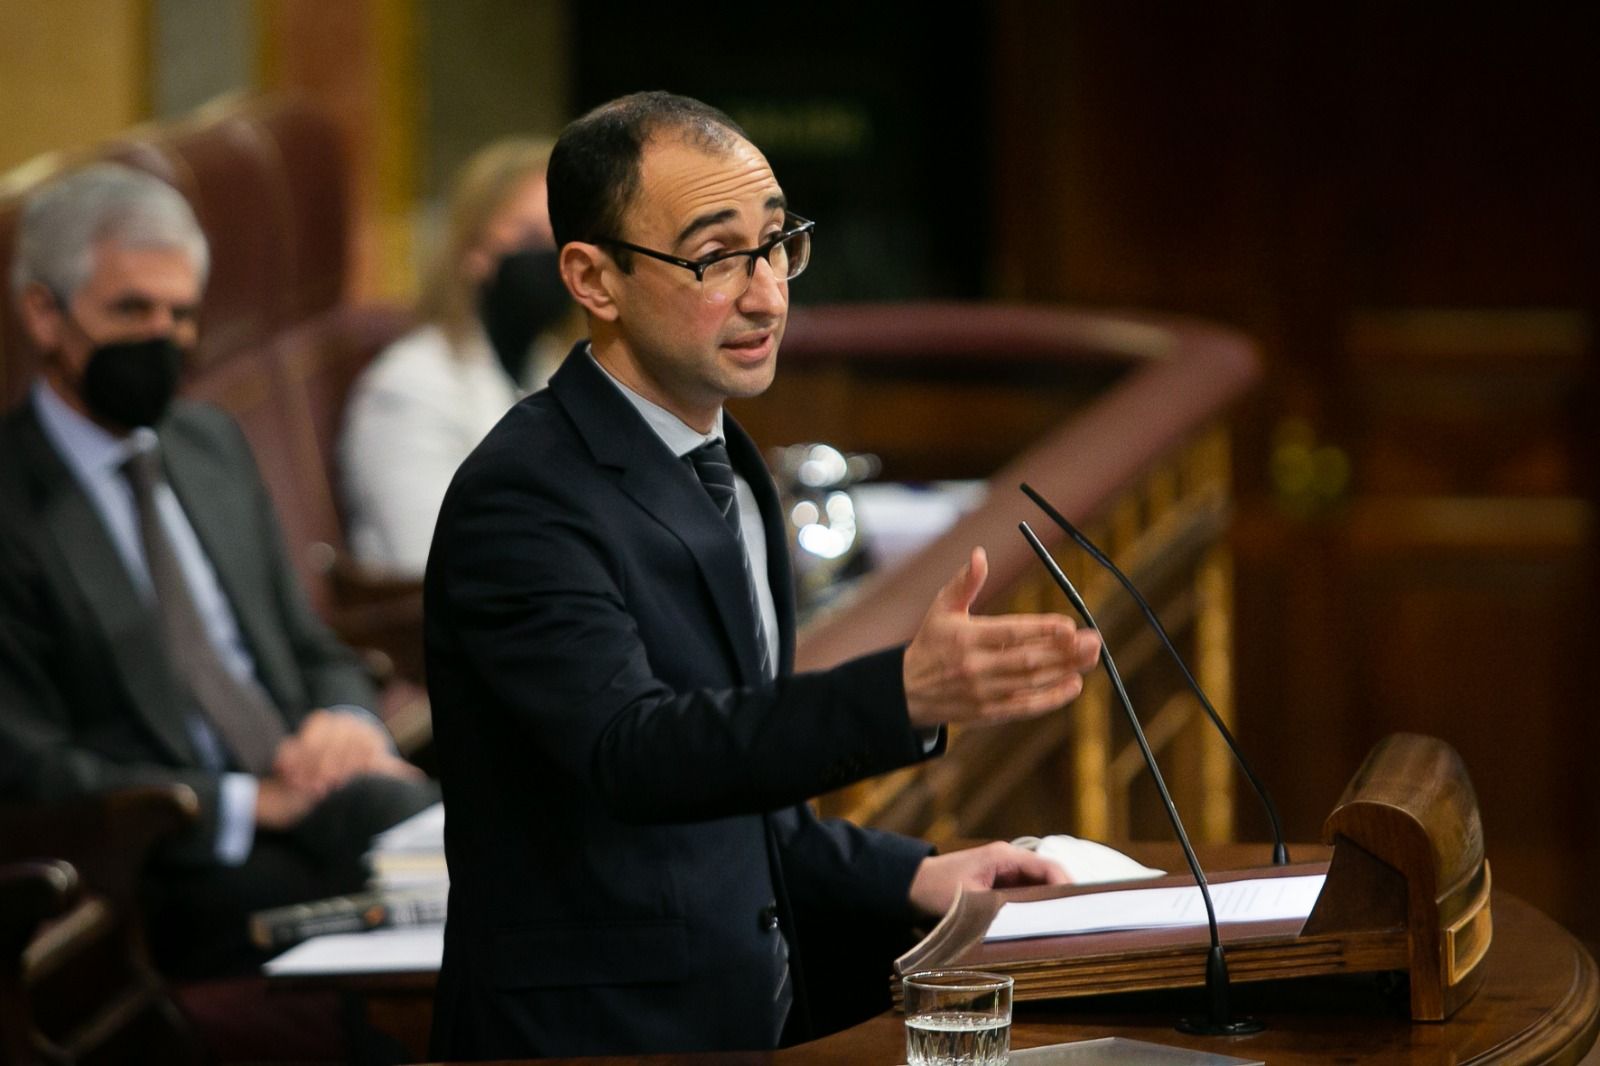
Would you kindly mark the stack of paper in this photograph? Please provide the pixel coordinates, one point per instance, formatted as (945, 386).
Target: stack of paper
(414, 950)
(1255, 900)
(410, 856)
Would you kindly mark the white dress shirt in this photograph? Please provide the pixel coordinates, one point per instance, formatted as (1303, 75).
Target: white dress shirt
(683, 439)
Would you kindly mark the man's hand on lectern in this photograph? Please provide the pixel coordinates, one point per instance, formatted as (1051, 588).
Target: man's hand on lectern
(996, 865)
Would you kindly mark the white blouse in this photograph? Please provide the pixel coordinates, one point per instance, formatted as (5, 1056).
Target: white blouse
(414, 414)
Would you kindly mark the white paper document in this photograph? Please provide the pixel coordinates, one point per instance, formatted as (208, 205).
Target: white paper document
(422, 832)
(1087, 862)
(416, 949)
(1256, 900)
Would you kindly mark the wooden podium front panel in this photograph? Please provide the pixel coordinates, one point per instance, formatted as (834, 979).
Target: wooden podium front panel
(1539, 1004)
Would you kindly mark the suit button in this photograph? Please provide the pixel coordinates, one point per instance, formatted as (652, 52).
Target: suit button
(767, 919)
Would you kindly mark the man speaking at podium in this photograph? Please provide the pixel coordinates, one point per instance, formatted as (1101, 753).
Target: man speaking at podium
(625, 752)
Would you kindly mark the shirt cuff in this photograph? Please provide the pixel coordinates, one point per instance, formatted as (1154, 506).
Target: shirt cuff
(236, 818)
(377, 723)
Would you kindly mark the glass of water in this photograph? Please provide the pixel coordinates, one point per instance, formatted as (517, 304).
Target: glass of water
(957, 1018)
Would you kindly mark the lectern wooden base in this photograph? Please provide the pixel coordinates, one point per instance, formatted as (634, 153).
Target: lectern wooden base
(1407, 890)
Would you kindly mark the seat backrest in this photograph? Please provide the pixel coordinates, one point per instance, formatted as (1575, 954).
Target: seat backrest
(279, 346)
(288, 396)
(267, 180)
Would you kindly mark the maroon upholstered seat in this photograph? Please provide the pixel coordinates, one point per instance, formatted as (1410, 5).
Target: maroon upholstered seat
(279, 347)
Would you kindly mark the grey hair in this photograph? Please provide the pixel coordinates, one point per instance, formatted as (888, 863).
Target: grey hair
(62, 223)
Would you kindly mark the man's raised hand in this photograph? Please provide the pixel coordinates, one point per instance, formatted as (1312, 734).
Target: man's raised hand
(961, 668)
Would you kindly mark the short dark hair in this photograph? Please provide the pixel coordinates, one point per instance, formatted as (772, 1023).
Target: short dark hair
(594, 168)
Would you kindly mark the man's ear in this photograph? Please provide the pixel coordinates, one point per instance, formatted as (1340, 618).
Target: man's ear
(588, 273)
(42, 317)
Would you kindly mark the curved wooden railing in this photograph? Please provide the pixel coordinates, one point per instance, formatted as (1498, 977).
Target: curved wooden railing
(1118, 419)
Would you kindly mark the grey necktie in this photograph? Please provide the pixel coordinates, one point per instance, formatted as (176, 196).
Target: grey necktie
(239, 710)
(715, 471)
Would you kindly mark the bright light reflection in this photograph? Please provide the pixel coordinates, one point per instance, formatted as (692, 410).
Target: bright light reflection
(824, 465)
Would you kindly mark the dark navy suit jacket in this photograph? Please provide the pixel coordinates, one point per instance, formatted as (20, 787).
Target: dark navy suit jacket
(626, 825)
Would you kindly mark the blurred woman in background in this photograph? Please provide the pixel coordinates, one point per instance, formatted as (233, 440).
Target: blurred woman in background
(495, 322)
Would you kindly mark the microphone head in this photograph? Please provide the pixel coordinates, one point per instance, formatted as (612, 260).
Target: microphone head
(1067, 527)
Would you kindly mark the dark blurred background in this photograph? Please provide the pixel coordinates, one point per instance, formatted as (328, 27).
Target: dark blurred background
(1399, 202)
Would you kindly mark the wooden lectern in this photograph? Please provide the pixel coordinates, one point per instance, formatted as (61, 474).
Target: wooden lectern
(1407, 890)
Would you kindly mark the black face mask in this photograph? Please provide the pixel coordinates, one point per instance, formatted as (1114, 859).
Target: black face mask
(524, 297)
(131, 383)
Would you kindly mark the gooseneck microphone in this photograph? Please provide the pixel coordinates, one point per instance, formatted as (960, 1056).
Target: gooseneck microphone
(1280, 851)
(1218, 1021)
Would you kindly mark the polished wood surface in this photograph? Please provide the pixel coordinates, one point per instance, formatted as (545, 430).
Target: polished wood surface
(1407, 889)
(1539, 1004)
(1407, 828)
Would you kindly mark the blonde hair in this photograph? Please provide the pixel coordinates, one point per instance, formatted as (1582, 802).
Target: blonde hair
(482, 186)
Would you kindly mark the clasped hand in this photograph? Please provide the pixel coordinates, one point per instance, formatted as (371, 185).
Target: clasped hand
(328, 750)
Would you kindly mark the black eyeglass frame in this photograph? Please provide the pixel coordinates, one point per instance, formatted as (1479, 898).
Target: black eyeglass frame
(699, 266)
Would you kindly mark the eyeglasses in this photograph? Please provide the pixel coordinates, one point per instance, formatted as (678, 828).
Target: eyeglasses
(725, 276)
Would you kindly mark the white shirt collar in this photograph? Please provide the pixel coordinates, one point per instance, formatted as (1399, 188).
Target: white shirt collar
(676, 434)
(89, 449)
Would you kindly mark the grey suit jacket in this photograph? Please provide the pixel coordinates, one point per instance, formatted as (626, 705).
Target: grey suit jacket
(87, 699)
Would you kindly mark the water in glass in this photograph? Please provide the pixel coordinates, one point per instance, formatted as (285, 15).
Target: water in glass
(958, 1038)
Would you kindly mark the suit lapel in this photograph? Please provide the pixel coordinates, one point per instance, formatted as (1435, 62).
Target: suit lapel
(130, 627)
(666, 488)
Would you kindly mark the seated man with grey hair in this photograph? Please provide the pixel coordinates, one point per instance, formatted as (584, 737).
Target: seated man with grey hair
(151, 627)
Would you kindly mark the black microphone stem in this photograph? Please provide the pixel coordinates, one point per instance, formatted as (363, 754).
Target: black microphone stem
(1219, 1021)
(1280, 850)
(1133, 721)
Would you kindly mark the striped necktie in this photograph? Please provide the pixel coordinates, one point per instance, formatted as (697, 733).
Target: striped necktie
(715, 470)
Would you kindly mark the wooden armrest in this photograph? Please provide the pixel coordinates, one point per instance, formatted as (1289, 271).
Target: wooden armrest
(75, 984)
(108, 837)
(356, 584)
(32, 893)
(378, 611)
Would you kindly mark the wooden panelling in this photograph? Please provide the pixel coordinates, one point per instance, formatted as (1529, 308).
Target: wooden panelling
(1401, 209)
(72, 72)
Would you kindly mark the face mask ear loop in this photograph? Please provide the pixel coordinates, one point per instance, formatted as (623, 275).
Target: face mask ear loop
(64, 306)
